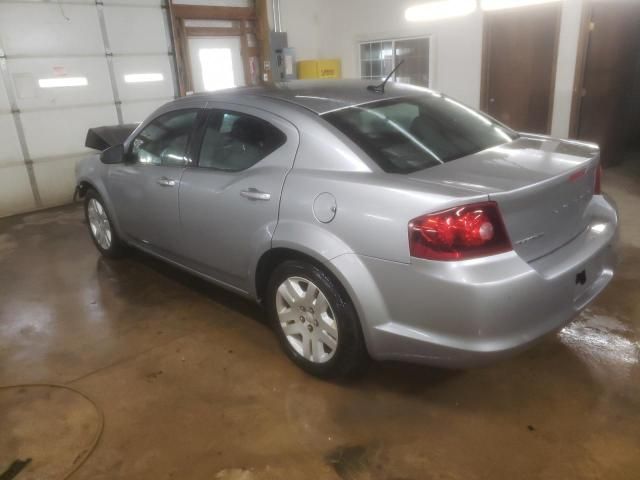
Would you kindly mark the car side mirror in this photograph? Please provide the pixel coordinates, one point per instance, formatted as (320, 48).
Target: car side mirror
(113, 154)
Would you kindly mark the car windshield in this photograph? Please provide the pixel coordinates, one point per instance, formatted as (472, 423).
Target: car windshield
(408, 134)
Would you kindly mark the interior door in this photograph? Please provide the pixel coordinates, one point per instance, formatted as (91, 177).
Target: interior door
(145, 188)
(229, 201)
(519, 65)
(608, 107)
(216, 63)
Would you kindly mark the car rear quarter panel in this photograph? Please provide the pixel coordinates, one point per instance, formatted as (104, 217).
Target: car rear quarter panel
(373, 211)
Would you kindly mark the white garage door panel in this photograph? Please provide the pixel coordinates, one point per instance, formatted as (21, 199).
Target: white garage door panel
(217, 3)
(141, 65)
(49, 32)
(27, 71)
(138, 111)
(10, 153)
(56, 180)
(53, 133)
(136, 30)
(4, 101)
(135, 3)
(15, 191)
(52, 39)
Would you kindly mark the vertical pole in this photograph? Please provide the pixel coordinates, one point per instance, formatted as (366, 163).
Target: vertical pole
(173, 59)
(22, 139)
(109, 55)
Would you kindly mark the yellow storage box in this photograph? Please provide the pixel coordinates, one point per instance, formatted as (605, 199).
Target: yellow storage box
(319, 69)
(307, 69)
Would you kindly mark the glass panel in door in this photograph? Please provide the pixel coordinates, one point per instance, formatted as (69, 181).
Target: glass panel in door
(216, 63)
(415, 53)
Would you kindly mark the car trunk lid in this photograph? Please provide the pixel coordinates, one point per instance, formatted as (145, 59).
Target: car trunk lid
(542, 186)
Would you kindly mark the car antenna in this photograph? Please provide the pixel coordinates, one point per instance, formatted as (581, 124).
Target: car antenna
(380, 88)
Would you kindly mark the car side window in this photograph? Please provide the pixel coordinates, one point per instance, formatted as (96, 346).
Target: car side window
(236, 141)
(164, 141)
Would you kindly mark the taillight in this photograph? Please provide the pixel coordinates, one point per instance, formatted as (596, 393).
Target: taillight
(469, 231)
(597, 189)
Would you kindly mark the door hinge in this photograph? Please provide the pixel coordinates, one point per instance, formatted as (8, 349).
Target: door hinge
(592, 26)
(583, 92)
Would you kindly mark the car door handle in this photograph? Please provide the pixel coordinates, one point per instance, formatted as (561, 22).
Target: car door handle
(167, 182)
(255, 194)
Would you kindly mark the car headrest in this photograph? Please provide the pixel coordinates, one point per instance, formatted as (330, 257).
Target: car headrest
(248, 130)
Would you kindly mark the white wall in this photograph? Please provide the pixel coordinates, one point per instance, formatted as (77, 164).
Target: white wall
(566, 66)
(300, 19)
(457, 43)
(333, 28)
(50, 39)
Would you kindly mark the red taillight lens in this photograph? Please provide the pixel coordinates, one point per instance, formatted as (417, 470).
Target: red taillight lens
(597, 188)
(459, 233)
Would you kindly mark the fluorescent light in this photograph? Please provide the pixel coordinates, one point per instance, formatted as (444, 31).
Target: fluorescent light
(439, 9)
(63, 82)
(502, 4)
(143, 77)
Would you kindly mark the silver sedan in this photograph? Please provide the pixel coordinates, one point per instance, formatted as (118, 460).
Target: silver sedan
(389, 223)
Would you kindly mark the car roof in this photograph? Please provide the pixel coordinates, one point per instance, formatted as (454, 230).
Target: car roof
(319, 96)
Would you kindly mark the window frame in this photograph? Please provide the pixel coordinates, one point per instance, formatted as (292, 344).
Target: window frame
(129, 155)
(393, 41)
(198, 137)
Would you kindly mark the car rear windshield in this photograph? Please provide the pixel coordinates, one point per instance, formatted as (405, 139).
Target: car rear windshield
(408, 134)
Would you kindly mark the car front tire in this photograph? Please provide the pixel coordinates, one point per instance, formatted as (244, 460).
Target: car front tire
(101, 227)
(315, 321)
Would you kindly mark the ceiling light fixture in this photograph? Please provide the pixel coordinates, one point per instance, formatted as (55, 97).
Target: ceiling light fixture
(439, 10)
(143, 77)
(489, 5)
(63, 82)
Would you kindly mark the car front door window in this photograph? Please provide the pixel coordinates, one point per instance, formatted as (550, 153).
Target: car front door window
(164, 141)
(146, 186)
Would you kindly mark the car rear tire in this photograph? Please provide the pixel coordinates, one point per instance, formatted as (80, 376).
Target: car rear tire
(315, 321)
(101, 227)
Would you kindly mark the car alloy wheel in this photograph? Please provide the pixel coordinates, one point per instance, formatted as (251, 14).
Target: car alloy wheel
(99, 223)
(307, 319)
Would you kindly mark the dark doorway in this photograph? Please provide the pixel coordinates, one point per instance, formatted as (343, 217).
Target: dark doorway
(606, 107)
(519, 65)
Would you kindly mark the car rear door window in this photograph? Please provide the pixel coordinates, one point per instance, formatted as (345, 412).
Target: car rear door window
(404, 135)
(164, 141)
(235, 141)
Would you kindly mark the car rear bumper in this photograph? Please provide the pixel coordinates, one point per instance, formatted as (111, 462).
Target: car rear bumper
(462, 314)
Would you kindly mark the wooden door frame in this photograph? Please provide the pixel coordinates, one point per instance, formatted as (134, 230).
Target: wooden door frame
(486, 60)
(581, 65)
(240, 16)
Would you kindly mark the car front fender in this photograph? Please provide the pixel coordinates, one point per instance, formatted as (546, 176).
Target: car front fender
(92, 172)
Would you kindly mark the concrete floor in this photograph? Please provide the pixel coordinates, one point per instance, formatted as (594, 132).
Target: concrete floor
(194, 386)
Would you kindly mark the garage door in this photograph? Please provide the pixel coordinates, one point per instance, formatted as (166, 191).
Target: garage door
(66, 67)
